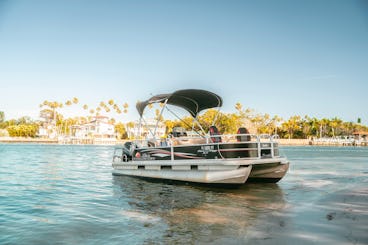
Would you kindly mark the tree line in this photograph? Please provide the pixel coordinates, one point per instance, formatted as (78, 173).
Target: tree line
(296, 126)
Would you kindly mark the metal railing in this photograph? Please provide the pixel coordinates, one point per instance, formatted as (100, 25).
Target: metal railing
(172, 142)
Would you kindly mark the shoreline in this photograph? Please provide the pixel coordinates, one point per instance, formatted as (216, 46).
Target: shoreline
(320, 142)
(282, 142)
(27, 140)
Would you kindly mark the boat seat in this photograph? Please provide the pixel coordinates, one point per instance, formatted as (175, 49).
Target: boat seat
(215, 135)
(188, 141)
(242, 138)
(151, 143)
(179, 132)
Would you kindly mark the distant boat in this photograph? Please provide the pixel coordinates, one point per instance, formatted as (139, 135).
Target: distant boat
(207, 157)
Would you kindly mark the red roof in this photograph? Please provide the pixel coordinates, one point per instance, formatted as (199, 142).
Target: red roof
(360, 133)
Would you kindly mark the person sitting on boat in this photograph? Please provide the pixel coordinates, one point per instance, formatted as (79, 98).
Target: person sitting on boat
(163, 142)
(179, 132)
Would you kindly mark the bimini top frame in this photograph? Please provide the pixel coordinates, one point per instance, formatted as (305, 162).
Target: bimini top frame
(192, 100)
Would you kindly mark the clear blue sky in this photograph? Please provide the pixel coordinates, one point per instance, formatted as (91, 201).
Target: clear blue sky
(277, 57)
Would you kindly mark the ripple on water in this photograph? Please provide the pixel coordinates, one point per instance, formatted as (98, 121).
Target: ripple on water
(57, 194)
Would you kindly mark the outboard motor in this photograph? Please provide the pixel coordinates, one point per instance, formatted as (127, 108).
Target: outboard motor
(128, 149)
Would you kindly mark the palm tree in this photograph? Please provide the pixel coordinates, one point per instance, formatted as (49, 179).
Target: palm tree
(267, 124)
(292, 125)
(125, 106)
(2, 116)
(257, 121)
(116, 108)
(158, 116)
(275, 121)
(238, 107)
(112, 121)
(102, 104)
(334, 123)
(75, 100)
(98, 109)
(314, 126)
(323, 126)
(348, 127)
(129, 129)
(51, 114)
(53, 105)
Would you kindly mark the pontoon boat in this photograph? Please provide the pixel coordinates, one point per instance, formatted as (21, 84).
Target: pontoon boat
(211, 157)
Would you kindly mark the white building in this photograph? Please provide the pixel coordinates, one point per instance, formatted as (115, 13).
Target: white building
(99, 127)
(47, 130)
(147, 129)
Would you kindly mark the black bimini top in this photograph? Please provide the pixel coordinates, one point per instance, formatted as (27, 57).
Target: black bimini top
(192, 100)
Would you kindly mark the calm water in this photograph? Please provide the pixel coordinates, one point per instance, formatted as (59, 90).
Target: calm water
(51, 194)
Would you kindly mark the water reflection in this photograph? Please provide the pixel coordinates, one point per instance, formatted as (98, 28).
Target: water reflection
(197, 213)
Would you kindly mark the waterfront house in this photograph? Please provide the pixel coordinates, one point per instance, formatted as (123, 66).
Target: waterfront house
(361, 136)
(47, 130)
(99, 127)
(146, 130)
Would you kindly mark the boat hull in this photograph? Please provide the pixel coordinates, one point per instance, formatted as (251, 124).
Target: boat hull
(210, 172)
(270, 172)
(226, 163)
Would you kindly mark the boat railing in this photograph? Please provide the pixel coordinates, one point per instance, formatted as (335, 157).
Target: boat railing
(264, 142)
(207, 139)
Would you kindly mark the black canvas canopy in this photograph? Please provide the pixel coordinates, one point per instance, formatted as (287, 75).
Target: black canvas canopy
(192, 100)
